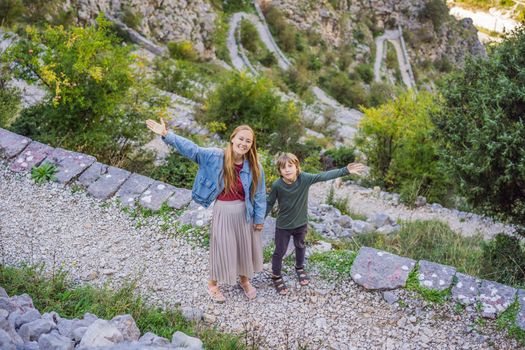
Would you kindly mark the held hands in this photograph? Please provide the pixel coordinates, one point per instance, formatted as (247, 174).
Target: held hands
(159, 129)
(356, 168)
(258, 227)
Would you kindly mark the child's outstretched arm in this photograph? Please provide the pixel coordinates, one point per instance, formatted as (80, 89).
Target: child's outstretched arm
(351, 168)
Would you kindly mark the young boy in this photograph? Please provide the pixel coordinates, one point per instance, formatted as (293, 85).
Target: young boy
(291, 191)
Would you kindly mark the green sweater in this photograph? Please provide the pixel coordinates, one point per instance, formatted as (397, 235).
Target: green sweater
(293, 198)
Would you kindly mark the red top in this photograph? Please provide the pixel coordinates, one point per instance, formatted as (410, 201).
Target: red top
(238, 190)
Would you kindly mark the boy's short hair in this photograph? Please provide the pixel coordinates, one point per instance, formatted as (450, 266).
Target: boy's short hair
(288, 158)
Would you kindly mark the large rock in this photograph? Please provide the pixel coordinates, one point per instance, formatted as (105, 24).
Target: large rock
(127, 326)
(180, 199)
(380, 220)
(156, 194)
(495, 298)
(92, 174)
(197, 215)
(55, 341)
(153, 339)
(435, 276)
(184, 341)
(378, 270)
(108, 183)
(32, 156)
(12, 144)
(6, 304)
(101, 333)
(134, 186)
(6, 343)
(520, 318)
(33, 330)
(69, 164)
(29, 316)
(466, 289)
(10, 330)
(361, 227)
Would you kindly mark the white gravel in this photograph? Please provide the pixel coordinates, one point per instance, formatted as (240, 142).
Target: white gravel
(96, 242)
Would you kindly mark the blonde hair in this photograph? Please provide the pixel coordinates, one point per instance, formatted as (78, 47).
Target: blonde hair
(229, 167)
(286, 158)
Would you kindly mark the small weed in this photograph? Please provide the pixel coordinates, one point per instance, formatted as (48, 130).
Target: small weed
(333, 265)
(43, 173)
(268, 252)
(507, 320)
(76, 188)
(459, 308)
(402, 303)
(430, 295)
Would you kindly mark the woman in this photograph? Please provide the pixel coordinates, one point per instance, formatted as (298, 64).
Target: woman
(234, 179)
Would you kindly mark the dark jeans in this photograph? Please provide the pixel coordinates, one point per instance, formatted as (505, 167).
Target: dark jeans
(282, 238)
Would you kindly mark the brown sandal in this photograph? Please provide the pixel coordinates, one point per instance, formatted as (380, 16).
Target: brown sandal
(216, 295)
(303, 277)
(280, 286)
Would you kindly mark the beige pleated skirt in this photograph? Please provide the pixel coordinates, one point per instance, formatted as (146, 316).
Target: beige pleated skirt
(235, 248)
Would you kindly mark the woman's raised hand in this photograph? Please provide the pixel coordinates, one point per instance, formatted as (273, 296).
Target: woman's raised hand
(159, 129)
(356, 168)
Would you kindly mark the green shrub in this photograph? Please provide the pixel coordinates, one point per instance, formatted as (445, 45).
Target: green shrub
(10, 103)
(96, 104)
(41, 12)
(231, 6)
(380, 93)
(483, 131)
(504, 260)
(11, 11)
(241, 99)
(365, 72)
(435, 11)
(131, 18)
(284, 33)
(178, 171)
(45, 172)
(397, 139)
(344, 90)
(341, 156)
(182, 51)
(297, 79)
(249, 36)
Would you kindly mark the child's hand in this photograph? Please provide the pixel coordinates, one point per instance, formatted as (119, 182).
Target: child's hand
(258, 227)
(356, 168)
(159, 129)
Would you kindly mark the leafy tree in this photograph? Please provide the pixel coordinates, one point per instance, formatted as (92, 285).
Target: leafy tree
(482, 124)
(402, 154)
(95, 103)
(9, 99)
(241, 99)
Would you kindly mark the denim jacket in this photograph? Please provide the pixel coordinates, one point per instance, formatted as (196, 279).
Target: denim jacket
(209, 181)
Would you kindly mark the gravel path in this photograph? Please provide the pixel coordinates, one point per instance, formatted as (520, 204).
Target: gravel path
(98, 242)
(362, 201)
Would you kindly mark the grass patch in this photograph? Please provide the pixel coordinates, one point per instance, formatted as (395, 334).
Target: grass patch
(433, 296)
(268, 252)
(44, 173)
(333, 265)
(197, 235)
(507, 320)
(430, 240)
(56, 293)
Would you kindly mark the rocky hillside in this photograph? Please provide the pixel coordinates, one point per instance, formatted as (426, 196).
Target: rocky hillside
(430, 31)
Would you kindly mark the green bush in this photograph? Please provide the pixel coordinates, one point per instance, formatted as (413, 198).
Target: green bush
(483, 131)
(11, 11)
(504, 260)
(397, 139)
(365, 72)
(178, 171)
(182, 51)
(241, 99)
(131, 18)
(340, 156)
(435, 11)
(297, 79)
(249, 36)
(344, 90)
(10, 103)
(96, 104)
(380, 93)
(284, 33)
